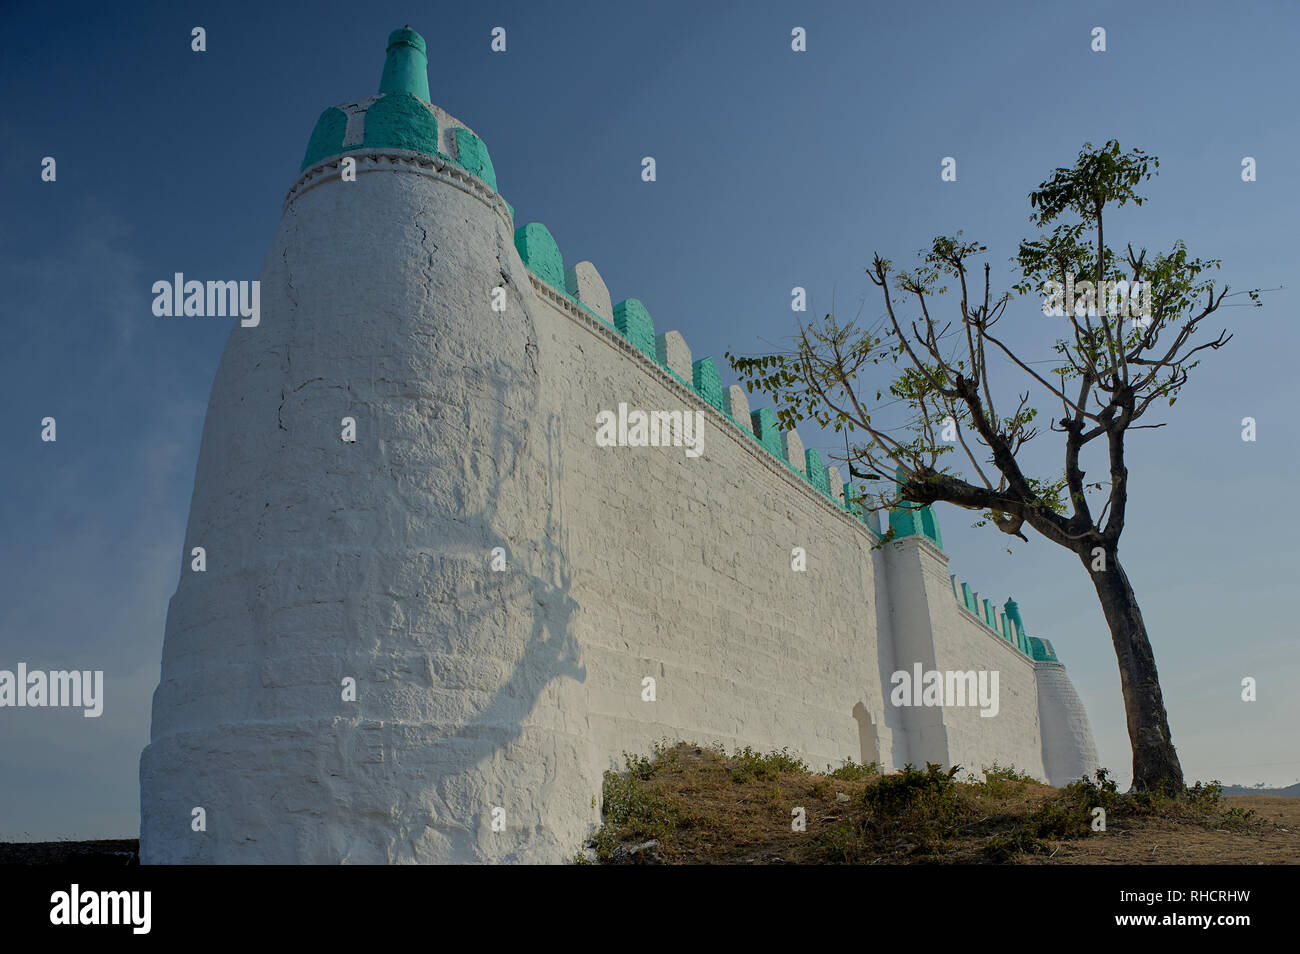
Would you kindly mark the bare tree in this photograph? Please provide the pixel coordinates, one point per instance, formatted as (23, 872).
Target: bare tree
(1125, 343)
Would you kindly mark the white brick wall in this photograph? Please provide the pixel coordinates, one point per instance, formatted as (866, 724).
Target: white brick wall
(479, 689)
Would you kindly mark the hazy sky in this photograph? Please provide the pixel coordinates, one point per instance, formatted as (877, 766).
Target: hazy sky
(775, 169)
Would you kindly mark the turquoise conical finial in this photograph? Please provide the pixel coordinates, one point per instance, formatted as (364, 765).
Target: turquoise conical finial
(406, 67)
(1012, 609)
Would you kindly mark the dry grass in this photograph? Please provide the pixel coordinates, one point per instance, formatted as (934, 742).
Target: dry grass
(704, 805)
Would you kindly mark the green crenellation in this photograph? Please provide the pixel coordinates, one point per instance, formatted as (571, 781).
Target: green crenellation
(1041, 649)
(707, 382)
(1006, 624)
(634, 323)
(327, 138)
(766, 431)
(401, 121)
(541, 255)
(472, 156)
(815, 473)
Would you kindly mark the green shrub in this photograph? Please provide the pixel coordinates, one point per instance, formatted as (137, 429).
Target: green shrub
(748, 765)
(892, 795)
(1204, 803)
(634, 807)
(852, 771)
(1059, 819)
(1002, 848)
(923, 808)
(1000, 781)
(841, 843)
(1206, 797)
(641, 766)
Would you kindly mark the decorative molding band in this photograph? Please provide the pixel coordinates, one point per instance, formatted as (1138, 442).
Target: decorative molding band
(398, 160)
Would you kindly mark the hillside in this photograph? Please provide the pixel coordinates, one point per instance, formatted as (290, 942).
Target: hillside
(1290, 791)
(690, 804)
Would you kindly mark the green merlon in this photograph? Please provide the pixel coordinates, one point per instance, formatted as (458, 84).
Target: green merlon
(542, 256)
(930, 526)
(902, 520)
(707, 381)
(1012, 609)
(406, 66)
(1023, 640)
(401, 121)
(816, 472)
(1041, 650)
(634, 323)
(327, 138)
(472, 156)
(766, 431)
(912, 520)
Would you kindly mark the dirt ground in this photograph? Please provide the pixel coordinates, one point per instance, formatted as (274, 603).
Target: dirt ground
(1160, 842)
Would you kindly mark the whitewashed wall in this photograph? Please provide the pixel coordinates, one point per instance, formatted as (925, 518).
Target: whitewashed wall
(513, 690)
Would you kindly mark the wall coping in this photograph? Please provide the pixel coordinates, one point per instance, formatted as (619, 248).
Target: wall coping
(385, 159)
(993, 635)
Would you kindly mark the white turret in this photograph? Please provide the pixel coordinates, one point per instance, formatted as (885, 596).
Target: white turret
(332, 559)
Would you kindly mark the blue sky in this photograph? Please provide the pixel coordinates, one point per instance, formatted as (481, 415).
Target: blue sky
(775, 169)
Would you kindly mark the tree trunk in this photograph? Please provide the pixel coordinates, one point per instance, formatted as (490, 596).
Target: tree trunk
(1155, 763)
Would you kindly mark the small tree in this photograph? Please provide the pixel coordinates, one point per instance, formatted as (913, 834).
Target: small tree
(1119, 354)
